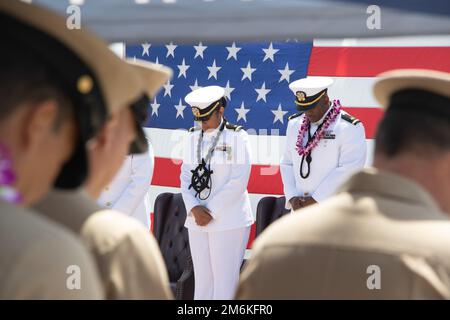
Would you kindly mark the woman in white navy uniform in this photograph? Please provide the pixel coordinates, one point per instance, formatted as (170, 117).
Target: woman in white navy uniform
(127, 192)
(214, 177)
(324, 145)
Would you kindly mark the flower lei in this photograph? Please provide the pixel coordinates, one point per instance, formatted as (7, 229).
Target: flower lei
(331, 116)
(7, 178)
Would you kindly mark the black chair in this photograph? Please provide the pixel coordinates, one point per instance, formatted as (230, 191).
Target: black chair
(268, 210)
(173, 240)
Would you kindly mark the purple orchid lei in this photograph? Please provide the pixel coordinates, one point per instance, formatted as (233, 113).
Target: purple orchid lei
(331, 116)
(7, 178)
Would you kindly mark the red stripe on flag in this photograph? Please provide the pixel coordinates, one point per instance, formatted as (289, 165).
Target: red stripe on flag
(166, 173)
(370, 61)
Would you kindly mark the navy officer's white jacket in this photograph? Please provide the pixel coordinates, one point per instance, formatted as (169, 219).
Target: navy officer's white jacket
(127, 193)
(340, 153)
(228, 202)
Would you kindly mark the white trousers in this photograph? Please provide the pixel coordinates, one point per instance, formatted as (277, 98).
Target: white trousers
(217, 258)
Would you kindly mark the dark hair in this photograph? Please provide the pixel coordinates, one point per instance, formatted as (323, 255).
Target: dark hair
(223, 102)
(25, 79)
(416, 121)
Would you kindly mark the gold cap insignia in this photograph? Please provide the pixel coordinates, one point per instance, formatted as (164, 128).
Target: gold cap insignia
(196, 111)
(301, 96)
(85, 84)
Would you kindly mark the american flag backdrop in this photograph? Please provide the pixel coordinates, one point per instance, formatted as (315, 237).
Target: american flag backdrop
(256, 77)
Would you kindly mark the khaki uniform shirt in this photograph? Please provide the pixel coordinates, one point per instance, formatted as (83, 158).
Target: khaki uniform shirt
(40, 260)
(127, 255)
(381, 237)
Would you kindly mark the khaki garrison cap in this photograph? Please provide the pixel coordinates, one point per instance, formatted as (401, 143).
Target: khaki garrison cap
(394, 81)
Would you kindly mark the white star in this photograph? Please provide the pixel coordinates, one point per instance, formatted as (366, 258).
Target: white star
(247, 72)
(180, 109)
(171, 50)
(278, 114)
(199, 50)
(228, 90)
(155, 106)
(286, 73)
(213, 70)
(183, 68)
(145, 47)
(134, 59)
(242, 112)
(232, 51)
(270, 51)
(195, 86)
(262, 92)
(168, 89)
(157, 62)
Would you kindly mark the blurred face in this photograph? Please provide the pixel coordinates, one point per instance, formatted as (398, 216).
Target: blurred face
(108, 150)
(316, 113)
(39, 149)
(214, 121)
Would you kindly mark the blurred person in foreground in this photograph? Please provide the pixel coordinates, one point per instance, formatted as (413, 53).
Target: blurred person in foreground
(128, 191)
(129, 260)
(49, 73)
(386, 234)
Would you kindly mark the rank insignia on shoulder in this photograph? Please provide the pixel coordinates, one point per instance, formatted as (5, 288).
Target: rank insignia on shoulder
(329, 135)
(296, 115)
(349, 118)
(233, 127)
(192, 129)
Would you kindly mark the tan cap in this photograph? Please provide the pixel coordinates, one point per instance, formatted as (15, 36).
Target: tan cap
(98, 82)
(118, 82)
(393, 81)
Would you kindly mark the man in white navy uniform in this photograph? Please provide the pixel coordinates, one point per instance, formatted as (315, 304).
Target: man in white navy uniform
(324, 145)
(128, 190)
(214, 177)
